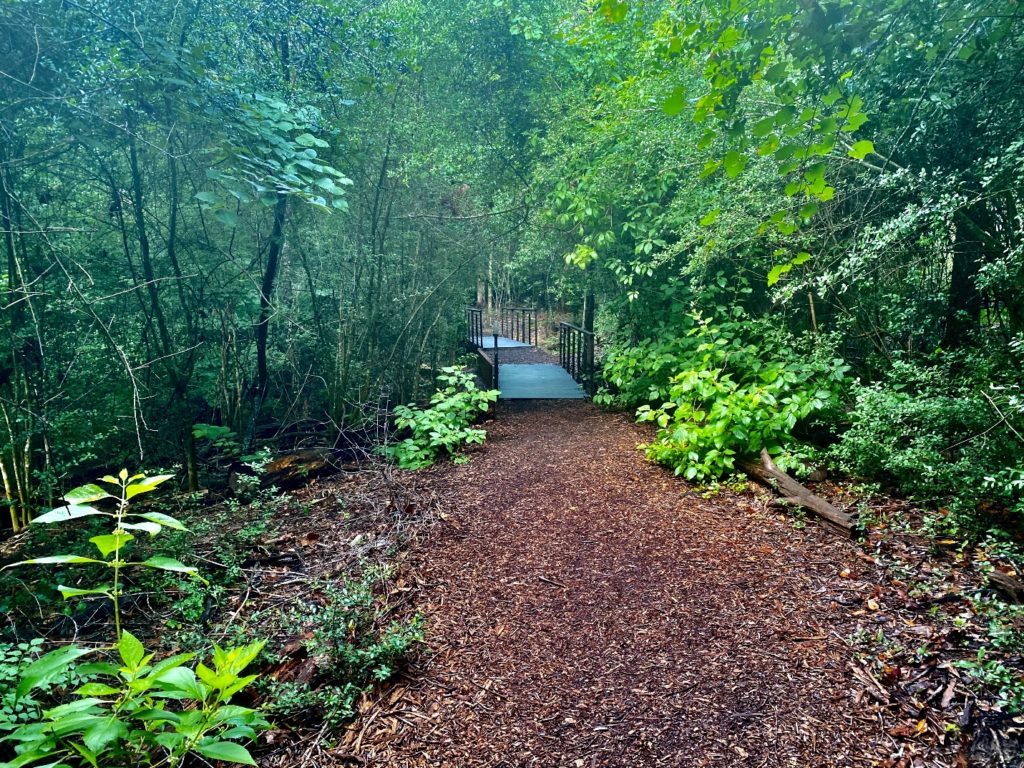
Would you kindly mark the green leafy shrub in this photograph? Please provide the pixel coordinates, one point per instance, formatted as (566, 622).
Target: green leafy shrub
(223, 439)
(354, 646)
(714, 398)
(446, 426)
(14, 659)
(941, 439)
(123, 715)
(640, 373)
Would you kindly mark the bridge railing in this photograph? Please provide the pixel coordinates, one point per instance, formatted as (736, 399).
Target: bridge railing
(518, 324)
(576, 354)
(475, 326)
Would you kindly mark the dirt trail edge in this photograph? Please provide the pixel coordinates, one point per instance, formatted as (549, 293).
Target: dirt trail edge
(585, 608)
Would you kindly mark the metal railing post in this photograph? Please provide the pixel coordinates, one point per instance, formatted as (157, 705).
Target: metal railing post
(494, 377)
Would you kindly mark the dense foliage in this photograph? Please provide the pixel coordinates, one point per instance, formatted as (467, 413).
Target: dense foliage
(835, 187)
(446, 425)
(233, 229)
(263, 219)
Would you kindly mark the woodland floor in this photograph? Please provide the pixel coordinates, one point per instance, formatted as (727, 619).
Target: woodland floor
(585, 608)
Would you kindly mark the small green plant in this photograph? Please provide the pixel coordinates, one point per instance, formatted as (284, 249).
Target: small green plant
(121, 716)
(14, 659)
(112, 545)
(992, 673)
(355, 649)
(223, 439)
(445, 427)
(248, 486)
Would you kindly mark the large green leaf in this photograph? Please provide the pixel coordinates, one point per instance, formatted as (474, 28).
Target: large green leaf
(32, 756)
(674, 103)
(69, 512)
(104, 732)
(615, 10)
(49, 667)
(146, 485)
(111, 542)
(861, 149)
(309, 140)
(69, 592)
(170, 564)
(151, 528)
(52, 559)
(131, 650)
(83, 494)
(159, 517)
(182, 680)
(225, 750)
(777, 272)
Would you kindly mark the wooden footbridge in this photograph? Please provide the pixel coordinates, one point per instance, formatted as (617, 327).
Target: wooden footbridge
(510, 360)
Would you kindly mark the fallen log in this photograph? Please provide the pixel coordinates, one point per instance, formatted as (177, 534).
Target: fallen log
(793, 492)
(290, 470)
(1012, 588)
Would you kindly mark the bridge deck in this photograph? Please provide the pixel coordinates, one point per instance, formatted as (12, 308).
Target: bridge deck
(527, 372)
(518, 381)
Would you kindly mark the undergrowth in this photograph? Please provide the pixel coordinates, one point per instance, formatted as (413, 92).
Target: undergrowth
(352, 644)
(715, 398)
(446, 426)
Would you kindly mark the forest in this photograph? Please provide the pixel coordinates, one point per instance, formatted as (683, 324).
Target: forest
(239, 245)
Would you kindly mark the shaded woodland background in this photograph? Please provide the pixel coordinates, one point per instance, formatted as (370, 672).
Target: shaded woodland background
(268, 219)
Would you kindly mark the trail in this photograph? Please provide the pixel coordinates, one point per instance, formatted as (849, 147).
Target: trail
(585, 608)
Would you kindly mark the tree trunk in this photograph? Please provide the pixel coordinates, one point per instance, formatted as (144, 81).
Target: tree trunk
(963, 310)
(266, 292)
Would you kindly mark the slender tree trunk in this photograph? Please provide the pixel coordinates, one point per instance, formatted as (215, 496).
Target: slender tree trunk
(145, 255)
(267, 292)
(588, 341)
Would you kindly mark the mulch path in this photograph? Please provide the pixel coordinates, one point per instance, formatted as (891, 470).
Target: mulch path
(521, 356)
(586, 608)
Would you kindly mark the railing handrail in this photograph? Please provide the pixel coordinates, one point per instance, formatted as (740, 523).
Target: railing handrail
(475, 326)
(576, 354)
(575, 328)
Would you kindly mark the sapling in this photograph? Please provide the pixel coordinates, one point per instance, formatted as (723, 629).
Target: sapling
(121, 715)
(113, 545)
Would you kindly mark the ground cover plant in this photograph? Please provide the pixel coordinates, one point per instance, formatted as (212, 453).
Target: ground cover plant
(445, 426)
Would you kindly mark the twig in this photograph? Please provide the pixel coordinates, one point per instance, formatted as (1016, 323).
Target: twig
(552, 582)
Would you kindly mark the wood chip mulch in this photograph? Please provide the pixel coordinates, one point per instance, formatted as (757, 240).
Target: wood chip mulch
(585, 608)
